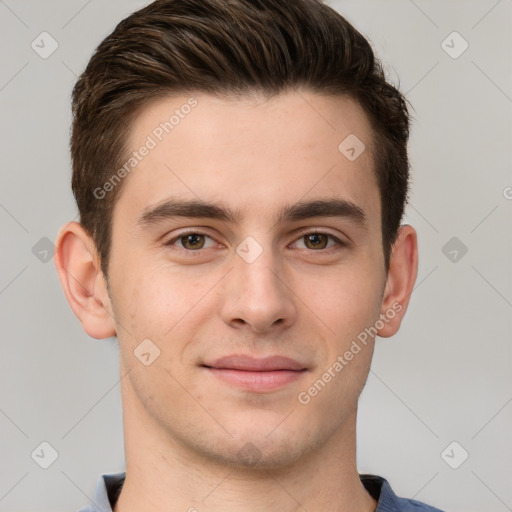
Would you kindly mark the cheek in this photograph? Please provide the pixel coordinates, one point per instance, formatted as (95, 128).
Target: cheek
(348, 306)
(152, 306)
(347, 301)
(154, 301)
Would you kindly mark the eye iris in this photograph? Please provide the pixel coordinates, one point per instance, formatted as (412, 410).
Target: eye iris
(316, 241)
(193, 241)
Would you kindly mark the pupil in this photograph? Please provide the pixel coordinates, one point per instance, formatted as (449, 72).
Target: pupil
(316, 240)
(193, 241)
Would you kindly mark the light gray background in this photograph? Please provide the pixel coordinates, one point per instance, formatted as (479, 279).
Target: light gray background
(446, 376)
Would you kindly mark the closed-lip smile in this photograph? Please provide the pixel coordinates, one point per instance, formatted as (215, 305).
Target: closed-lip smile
(256, 374)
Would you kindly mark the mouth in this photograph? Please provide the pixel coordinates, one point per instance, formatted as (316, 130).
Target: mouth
(257, 375)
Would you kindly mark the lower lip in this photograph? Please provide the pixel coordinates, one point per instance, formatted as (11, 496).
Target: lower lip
(257, 381)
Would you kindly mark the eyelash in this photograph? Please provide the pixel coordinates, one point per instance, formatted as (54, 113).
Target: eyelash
(339, 242)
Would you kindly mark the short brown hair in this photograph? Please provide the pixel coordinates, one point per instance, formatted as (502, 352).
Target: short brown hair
(226, 48)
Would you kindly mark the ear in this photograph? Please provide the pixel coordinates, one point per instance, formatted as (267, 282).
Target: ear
(402, 272)
(78, 265)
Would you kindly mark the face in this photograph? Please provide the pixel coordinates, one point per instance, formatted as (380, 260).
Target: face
(246, 234)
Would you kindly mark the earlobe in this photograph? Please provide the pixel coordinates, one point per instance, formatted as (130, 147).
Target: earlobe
(402, 272)
(78, 266)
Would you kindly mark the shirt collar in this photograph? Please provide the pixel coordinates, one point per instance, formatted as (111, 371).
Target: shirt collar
(109, 485)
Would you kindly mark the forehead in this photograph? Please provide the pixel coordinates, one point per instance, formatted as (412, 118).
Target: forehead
(252, 153)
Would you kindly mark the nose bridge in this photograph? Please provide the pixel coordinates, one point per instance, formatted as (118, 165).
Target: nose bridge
(260, 276)
(256, 294)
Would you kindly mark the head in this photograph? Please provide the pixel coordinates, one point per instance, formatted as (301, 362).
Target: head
(220, 213)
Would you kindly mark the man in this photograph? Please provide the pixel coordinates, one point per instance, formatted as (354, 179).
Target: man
(240, 169)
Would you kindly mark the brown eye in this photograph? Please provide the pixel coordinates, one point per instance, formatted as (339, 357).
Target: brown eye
(316, 240)
(193, 241)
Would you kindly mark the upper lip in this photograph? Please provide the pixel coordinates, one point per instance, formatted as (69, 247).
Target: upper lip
(252, 364)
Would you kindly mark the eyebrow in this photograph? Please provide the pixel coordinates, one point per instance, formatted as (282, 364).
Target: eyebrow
(300, 211)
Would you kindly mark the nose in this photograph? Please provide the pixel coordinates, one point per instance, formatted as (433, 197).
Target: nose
(257, 296)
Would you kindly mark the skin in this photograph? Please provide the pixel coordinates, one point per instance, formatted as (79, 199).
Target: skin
(186, 431)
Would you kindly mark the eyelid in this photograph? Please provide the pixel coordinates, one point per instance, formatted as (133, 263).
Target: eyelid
(320, 231)
(189, 231)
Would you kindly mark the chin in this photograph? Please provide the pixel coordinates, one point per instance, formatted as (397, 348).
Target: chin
(268, 446)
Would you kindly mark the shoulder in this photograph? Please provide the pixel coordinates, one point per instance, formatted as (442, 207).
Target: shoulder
(408, 505)
(107, 490)
(380, 489)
